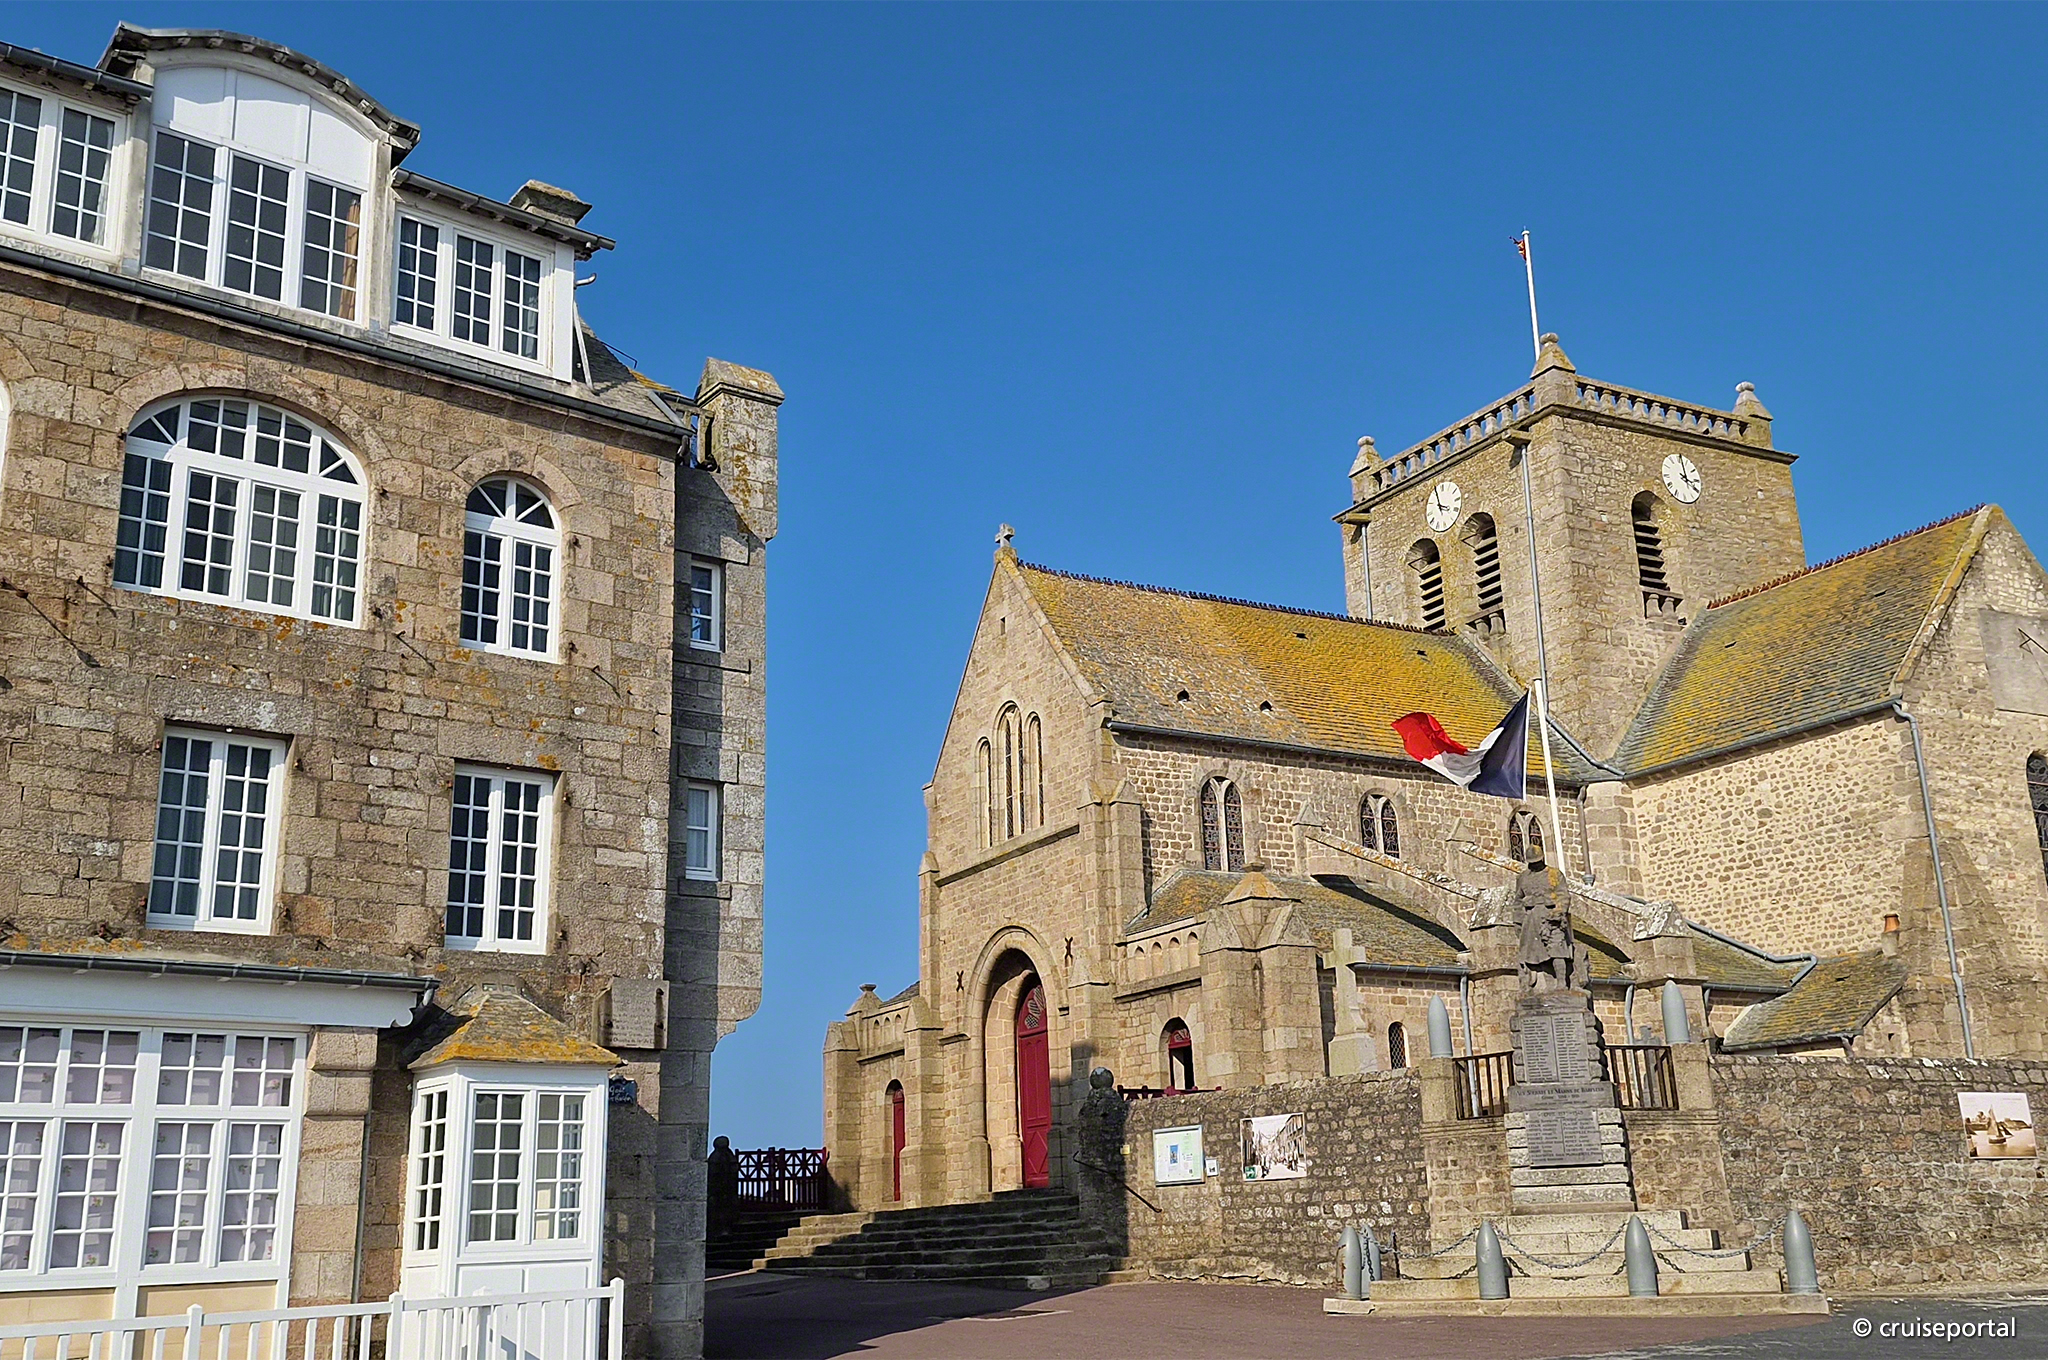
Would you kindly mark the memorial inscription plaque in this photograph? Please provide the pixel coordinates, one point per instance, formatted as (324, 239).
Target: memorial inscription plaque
(1549, 1044)
(1563, 1138)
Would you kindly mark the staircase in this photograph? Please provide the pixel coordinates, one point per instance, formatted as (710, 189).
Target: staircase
(1019, 1239)
(738, 1245)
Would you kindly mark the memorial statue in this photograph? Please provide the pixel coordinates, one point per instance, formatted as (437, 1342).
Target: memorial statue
(1551, 959)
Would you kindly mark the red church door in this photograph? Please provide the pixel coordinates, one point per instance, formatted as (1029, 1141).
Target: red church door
(896, 1135)
(1034, 1087)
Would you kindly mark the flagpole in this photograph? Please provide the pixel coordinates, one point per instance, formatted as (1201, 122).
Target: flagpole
(1529, 266)
(1541, 685)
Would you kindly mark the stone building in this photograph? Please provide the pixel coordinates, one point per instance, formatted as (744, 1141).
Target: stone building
(1177, 836)
(381, 685)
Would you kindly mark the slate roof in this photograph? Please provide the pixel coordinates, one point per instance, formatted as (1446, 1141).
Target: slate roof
(1265, 673)
(1835, 1000)
(1822, 643)
(492, 1025)
(1737, 968)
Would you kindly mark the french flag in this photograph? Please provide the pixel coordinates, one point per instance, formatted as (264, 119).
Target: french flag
(1498, 765)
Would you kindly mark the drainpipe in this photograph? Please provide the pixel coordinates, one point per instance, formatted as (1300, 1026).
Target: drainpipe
(1465, 1009)
(1628, 1014)
(1948, 925)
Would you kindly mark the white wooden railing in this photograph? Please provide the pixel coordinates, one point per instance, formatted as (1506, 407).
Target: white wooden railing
(559, 1324)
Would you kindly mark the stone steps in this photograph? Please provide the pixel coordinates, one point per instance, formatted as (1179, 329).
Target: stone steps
(1017, 1240)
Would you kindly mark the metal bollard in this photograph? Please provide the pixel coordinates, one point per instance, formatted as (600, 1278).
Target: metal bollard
(1800, 1275)
(1439, 1029)
(1642, 1262)
(1493, 1267)
(1353, 1265)
(1677, 1029)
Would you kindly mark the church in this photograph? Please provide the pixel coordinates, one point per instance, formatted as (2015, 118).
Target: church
(1178, 836)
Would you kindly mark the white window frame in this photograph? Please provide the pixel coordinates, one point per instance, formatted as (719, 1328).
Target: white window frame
(714, 829)
(128, 1267)
(714, 617)
(203, 921)
(512, 531)
(442, 331)
(225, 153)
(42, 213)
(439, 1266)
(182, 459)
(491, 940)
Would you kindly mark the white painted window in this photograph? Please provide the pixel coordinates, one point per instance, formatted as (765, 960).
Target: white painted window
(498, 295)
(151, 1154)
(701, 831)
(259, 215)
(429, 1196)
(334, 227)
(56, 167)
(243, 504)
(509, 545)
(179, 237)
(499, 843)
(707, 605)
(216, 831)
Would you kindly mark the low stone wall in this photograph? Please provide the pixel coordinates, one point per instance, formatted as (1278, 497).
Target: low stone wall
(1365, 1161)
(1872, 1152)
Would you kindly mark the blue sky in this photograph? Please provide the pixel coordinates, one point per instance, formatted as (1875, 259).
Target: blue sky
(1135, 279)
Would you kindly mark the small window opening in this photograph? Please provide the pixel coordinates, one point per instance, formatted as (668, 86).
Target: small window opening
(1397, 1046)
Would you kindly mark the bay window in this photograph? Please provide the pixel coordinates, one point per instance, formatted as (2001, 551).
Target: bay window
(497, 293)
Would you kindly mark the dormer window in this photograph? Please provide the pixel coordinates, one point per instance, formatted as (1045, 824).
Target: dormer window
(495, 293)
(56, 165)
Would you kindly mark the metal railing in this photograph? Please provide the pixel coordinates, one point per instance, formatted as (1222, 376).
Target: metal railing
(783, 1178)
(1642, 1076)
(557, 1324)
(1155, 1092)
(1483, 1081)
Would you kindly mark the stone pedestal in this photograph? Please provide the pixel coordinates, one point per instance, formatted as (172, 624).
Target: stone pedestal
(1567, 1148)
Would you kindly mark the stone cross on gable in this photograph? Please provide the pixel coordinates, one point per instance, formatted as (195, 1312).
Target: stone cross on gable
(1003, 536)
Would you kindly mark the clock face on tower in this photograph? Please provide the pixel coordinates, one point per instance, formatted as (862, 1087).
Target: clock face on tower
(1682, 478)
(1442, 510)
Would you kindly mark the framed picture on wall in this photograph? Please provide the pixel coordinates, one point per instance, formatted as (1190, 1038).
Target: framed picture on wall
(1276, 1147)
(1999, 1123)
(1177, 1155)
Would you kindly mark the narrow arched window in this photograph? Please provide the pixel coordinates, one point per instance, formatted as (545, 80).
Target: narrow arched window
(991, 827)
(1484, 539)
(1650, 569)
(1397, 1045)
(1006, 729)
(1034, 769)
(1180, 1055)
(2037, 795)
(242, 504)
(1428, 565)
(1222, 826)
(1525, 837)
(1378, 828)
(509, 545)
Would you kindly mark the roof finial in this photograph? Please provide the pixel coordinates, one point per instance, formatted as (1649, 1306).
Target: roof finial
(1004, 533)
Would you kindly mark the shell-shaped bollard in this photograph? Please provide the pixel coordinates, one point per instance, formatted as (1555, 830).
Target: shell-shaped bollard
(1801, 1277)
(1354, 1268)
(1439, 1029)
(1493, 1267)
(1677, 1028)
(1641, 1261)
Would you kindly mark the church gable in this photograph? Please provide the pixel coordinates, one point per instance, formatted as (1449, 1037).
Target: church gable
(1823, 644)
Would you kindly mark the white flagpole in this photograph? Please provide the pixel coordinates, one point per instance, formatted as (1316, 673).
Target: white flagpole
(1549, 780)
(1529, 266)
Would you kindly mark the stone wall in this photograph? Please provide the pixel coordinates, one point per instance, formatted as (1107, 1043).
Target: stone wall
(1365, 1162)
(1872, 1152)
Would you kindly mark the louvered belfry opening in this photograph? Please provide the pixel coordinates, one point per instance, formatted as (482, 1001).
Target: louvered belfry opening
(1483, 537)
(1428, 565)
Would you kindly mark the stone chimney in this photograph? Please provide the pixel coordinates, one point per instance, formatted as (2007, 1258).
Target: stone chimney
(545, 200)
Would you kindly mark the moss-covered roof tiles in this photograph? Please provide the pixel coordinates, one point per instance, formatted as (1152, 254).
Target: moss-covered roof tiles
(1388, 932)
(1835, 1000)
(1263, 673)
(493, 1025)
(1824, 643)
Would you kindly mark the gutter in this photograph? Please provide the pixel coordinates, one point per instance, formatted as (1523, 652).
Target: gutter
(92, 77)
(586, 241)
(222, 310)
(424, 987)
(1182, 734)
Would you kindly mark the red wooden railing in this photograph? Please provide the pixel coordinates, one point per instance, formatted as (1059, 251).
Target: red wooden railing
(782, 1178)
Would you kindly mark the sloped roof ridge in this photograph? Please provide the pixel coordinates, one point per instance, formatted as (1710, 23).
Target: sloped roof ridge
(1227, 599)
(1791, 576)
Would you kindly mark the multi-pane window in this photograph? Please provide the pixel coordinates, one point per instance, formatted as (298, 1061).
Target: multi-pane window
(707, 606)
(21, 123)
(259, 207)
(509, 546)
(1222, 817)
(557, 1166)
(333, 243)
(497, 1143)
(1378, 826)
(498, 860)
(700, 831)
(497, 296)
(1013, 775)
(133, 1150)
(1525, 837)
(180, 232)
(261, 510)
(419, 273)
(429, 1169)
(216, 831)
(527, 1166)
(85, 149)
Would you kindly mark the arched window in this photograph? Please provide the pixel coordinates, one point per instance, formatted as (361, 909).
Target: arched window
(1650, 555)
(2037, 795)
(509, 543)
(992, 823)
(1428, 565)
(897, 1140)
(1484, 539)
(1397, 1045)
(243, 504)
(1180, 1055)
(1034, 769)
(1007, 726)
(1222, 826)
(1525, 836)
(1378, 828)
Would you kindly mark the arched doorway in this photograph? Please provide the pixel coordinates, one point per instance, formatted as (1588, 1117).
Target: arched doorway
(1180, 1056)
(1034, 1086)
(896, 1138)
